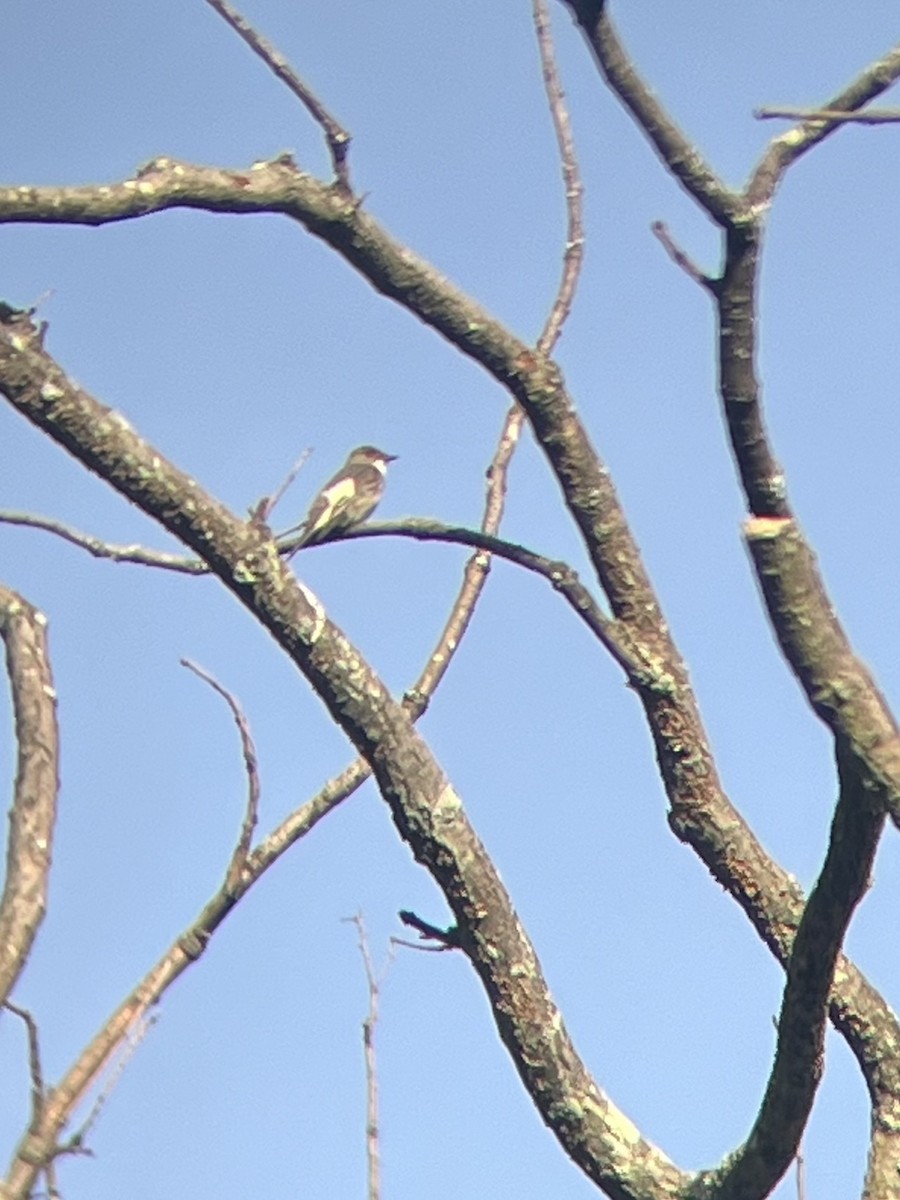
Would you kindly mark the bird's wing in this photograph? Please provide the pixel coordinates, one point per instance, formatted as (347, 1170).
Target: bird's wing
(327, 507)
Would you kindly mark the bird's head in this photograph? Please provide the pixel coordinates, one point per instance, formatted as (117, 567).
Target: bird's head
(370, 454)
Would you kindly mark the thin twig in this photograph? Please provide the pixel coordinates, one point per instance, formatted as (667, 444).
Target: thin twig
(263, 510)
(574, 252)
(870, 116)
(447, 939)
(374, 982)
(475, 573)
(99, 549)
(785, 149)
(801, 1176)
(137, 1034)
(77, 1143)
(38, 1090)
(681, 258)
(337, 137)
(239, 858)
(612, 634)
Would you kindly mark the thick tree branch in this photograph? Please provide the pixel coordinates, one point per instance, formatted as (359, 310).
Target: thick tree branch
(425, 808)
(677, 152)
(842, 692)
(795, 1075)
(839, 687)
(32, 818)
(735, 293)
(799, 1059)
(534, 381)
(700, 812)
(416, 698)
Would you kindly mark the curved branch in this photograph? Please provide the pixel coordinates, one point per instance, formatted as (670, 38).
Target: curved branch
(32, 818)
(839, 688)
(797, 1070)
(425, 808)
(677, 152)
(100, 549)
(336, 136)
(562, 578)
(700, 813)
(574, 252)
(475, 573)
(238, 864)
(534, 381)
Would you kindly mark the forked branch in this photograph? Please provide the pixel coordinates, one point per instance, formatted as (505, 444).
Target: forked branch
(425, 808)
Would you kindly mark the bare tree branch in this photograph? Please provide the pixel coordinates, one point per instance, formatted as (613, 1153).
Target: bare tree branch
(681, 259)
(700, 812)
(562, 577)
(770, 897)
(839, 687)
(38, 1088)
(870, 116)
(100, 549)
(418, 695)
(135, 1037)
(337, 137)
(447, 939)
(427, 811)
(238, 863)
(416, 698)
(264, 508)
(761, 474)
(799, 1060)
(574, 252)
(36, 1071)
(678, 153)
(534, 381)
(374, 981)
(786, 149)
(32, 818)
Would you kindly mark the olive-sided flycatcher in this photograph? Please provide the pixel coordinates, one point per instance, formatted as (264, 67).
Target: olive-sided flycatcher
(348, 498)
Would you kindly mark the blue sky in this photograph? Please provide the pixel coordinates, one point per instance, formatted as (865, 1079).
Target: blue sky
(233, 344)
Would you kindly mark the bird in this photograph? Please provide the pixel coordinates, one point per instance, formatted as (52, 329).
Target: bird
(348, 498)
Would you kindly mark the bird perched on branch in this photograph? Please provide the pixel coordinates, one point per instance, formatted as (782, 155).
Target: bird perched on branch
(348, 498)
